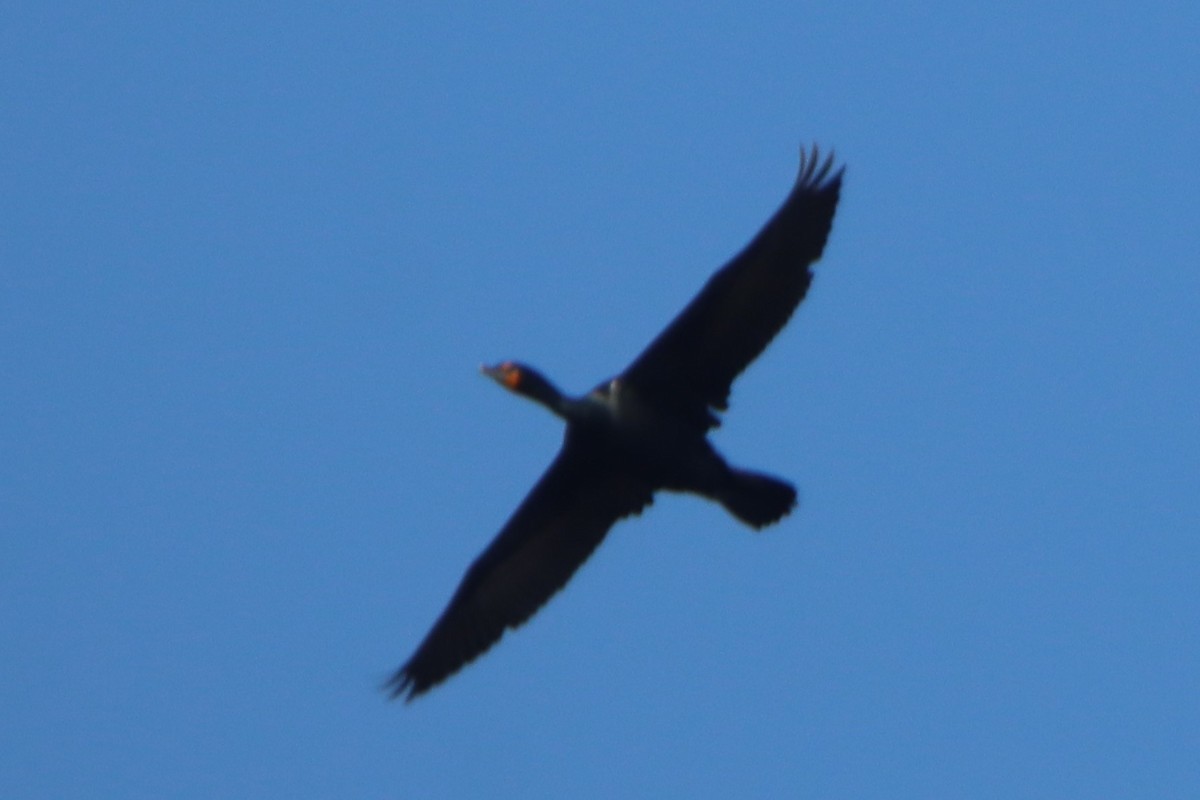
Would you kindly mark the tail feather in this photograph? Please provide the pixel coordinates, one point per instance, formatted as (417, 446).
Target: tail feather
(757, 499)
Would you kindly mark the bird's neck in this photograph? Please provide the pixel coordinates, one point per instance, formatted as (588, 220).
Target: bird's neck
(591, 408)
(547, 394)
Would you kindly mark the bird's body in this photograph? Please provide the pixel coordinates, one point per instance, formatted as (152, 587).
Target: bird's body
(640, 432)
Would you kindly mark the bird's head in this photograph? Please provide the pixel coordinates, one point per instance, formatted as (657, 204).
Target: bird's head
(508, 374)
(525, 380)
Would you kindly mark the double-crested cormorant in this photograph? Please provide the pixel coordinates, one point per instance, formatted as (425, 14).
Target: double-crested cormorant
(640, 432)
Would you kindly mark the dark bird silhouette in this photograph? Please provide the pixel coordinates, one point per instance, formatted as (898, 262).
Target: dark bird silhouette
(643, 431)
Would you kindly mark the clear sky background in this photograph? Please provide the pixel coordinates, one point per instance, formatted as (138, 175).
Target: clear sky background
(252, 255)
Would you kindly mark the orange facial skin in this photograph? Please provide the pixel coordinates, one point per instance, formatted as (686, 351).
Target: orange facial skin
(507, 373)
(512, 375)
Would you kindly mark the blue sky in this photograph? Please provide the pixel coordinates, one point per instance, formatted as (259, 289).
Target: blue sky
(252, 256)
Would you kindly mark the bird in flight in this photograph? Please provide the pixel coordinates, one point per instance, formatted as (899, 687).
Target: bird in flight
(643, 431)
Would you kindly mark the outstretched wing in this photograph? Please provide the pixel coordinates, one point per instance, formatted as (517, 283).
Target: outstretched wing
(559, 524)
(693, 363)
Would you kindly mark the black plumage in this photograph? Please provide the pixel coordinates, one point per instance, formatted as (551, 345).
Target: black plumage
(639, 433)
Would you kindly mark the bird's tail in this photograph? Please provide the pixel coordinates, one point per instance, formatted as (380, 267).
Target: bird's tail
(757, 499)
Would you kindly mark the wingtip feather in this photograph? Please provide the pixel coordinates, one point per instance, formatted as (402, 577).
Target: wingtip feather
(401, 686)
(816, 172)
